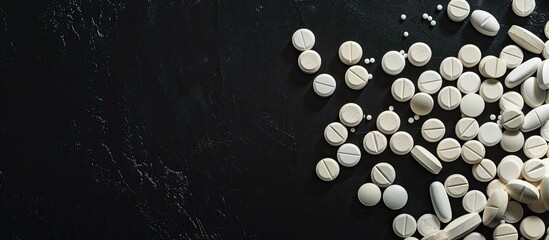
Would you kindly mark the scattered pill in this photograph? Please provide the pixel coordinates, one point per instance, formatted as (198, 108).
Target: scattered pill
(350, 53)
(468, 82)
(429, 82)
(509, 168)
(485, 23)
(429, 18)
(485, 170)
(309, 61)
(495, 208)
(543, 73)
(522, 191)
(327, 169)
(403, 17)
(395, 197)
(440, 201)
(449, 98)
(433, 23)
(522, 72)
(324, 85)
(512, 119)
(369, 117)
(451, 68)
(421, 103)
(416, 117)
(482, 64)
(458, 10)
(303, 39)
(410, 120)
(511, 100)
(405, 34)
(456, 185)
(356, 77)
(532, 227)
(532, 94)
(495, 185)
(369, 194)
(401, 143)
(372, 60)
(533, 170)
(367, 61)
(535, 118)
(546, 30)
(348, 155)
(492, 117)
(419, 54)
(462, 225)
(370, 76)
(428, 224)
(433, 130)
(448, 150)
(513, 213)
(404, 225)
(374, 142)
(351, 114)
(523, 8)
(512, 141)
(473, 201)
(494, 68)
(424, 16)
(383, 174)
(489, 134)
(535, 147)
(335, 134)
(505, 231)
(402, 89)
(426, 159)
(439, 7)
(512, 55)
(526, 39)
(392, 63)
(467, 128)
(472, 105)
(469, 55)
(388, 122)
(544, 190)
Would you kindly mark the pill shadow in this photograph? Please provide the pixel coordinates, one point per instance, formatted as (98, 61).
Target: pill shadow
(513, 18)
(321, 150)
(313, 101)
(470, 34)
(447, 25)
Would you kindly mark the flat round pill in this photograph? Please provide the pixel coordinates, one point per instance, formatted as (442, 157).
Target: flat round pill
(489, 134)
(383, 174)
(388, 122)
(474, 236)
(473, 152)
(327, 169)
(531, 93)
(512, 55)
(448, 150)
(428, 224)
(472, 105)
(535, 147)
(429, 82)
(511, 100)
(482, 64)
(303, 39)
(468, 82)
(433, 130)
(512, 119)
(374, 142)
(522, 191)
(419, 54)
(404, 225)
(505, 231)
(395, 197)
(495, 68)
(474, 201)
(348, 155)
(485, 23)
(369, 194)
(509, 169)
(533, 170)
(485, 170)
(469, 55)
(512, 141)
(401, 143)
(309, 61)
(356, 77)
(544, 131)
(351, 114)
(458, 10)
(421, 103)
(335, 134)
(491, 90)
(403, 89)
(513, 213)
(449, 98)
(523, 8)
(456, 185)
(532, 227)
(495, 208)
(350, 53)
(467, 128)
(451, 68)
(495, 185)
(546, 30)
(324, 85)
(393, 63)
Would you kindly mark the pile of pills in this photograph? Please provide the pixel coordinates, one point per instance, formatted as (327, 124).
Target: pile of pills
(512, 182)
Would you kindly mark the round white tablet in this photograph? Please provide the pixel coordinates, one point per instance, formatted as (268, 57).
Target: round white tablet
(472, 105)
(393, 63)
(433, 130)
(532, 227)
(474, 236)
(456, 185)
(429, 82)
(335, 134)
(544, 131)
(489, 134)
(531, 93)
(535, 147)
(388, 122)
(513, 213)
(491, 90)
(495, 185)
(369, 194)
(428, 224)
(356, 77)
(482, 64)
(512, 55)
(309, 61)
(419, 54)
(512, 141)
(466, 128)
(511, 100)
(404, 225)
(395, 197)
(523, 8)
(403, 89)
(448, 150)
(468, 82)
(327, 169)
(533, 170)
(401, 143)
(473, 152)
(458, 10)
(383, 174)
(421, 103)
(303, 39)
(495, 68)
(509, 168)
(324, 85)
(449, 98)
(451, 68)
(348, 155)
(512, 119)
(350, 52)
(473, 201)
(505, 231)
(485, 170)
(469, 55)
(351, 114)
(546, 30)
(374, 142)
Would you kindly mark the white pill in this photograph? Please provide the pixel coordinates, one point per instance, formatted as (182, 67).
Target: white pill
(367, 61)
(419, 54)
(356, 77)
(309, 61)
(513, 213)
(512, 119)
(348, 155)
(439, 7)
(440, 201)
(544, 190)
(374, 142)
(494, 68)
(543, 74)
(448, 150)
(482, 64)
(472, 105)
(495, 208)
(424, 16)
(372, 60)
(533, 170)
(522, 191)
(433, 23)
(428, 224)
(491, 90)
(535, 147)
(426, 159)
(416, 117)
(489, 134)
(546, 30)
(388, 122)
(410, 120)
(449, 98)
(462, 225)
(485, 23)
(351, 114)
(404, 225)
(429, 82)
(468, 82)
(324, 85)
(403, 17)
(535, 118)
(369, 194)
(429, 18)
(456, 185)
(469, 55)
(512, 55)
(537, 207)
(474, 236)
(421, 103)
(335, 134)
(433, 130)
(532, 227)
(406, 34)
(511, 100)
(495, 185)
(350, 52)
(327, 169)
(532, 94)
(492, 116)
(509, 168)
(403, 89)
(303, 39)
(393, 63)
(473, 201)
(526, 39)
(458, 10)
(368, 117)
(383, 174)
(395, 197)
(522, 72)
(512, 141)
(523, 8)
(505, 231)
(401, 143)
(451, 68)
(485, 170)
(466, 128)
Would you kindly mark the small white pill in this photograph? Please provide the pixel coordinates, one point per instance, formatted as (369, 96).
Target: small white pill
(494, 68)
(505, 231)
(511, 100)
(370, 76)
(449, 98)
(522, 72)
(391, 108)
(403, 17)
(416, 117)
(472, 105)
(367, 61)
(433, 130)
(458, 10)
(469, 55)
(512, 119)
(351, 114)
(388, 122)
(468, 82)
(535, 147)
(513, 213)
(401, 143)
(448, 150)
(350, 53)
(403, 89)
(335, 134)
(526, 39)
(429, 18)
(512, 141)
(374, 142)
(327, 169)
(424, 16)
(474, 236)
(309, 61)
(404, 225)
(324, 85)
(392, 63)
(523, 8)
(485, 23)
(410, 120)
(509, 168)
(439, 7)
(456, 185)
(356, 77)
(485, 170)
(532, 227)
(428, 224)
(440, 201)
(495, 208)
(369, 117)
(466, 128)
(383, 174)
(489, 134)
(406, 34)
(426, 159)
(348, 155)
(395, 197)
(372, 60)
(474, 201)
(419, 54)
(451, 68)
(492, 117)
(462, 225)
(522, 191)
(495, 185)
(421, 103)
(303, 39)
(533, 170)
(369, 194)
(512, 55)
(433, 23)
(532, 94)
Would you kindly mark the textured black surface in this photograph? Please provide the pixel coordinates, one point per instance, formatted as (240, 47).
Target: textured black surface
(191, 120)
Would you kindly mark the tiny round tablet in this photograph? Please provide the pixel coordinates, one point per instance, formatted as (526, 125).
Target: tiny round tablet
(468, 82)
(532, 227)
(404, 225)
(489, 134)
(406, 34)
(433, 130)
(466, 128)
(449, 98)
(456, 185)
(532, 94)
(403, 17)
(511, 100)
(428, 224)
(451, 68)
(374, 142)
(383, 174)
(485, 170)
(421, 103)
(429, 18)
(369, 194)
(533, 170)
(469, 55)
(372, 60)
(523, 8)
(401, 143)
(309, 61)
(512, 119)
(429, 82)
(303, 39)
(388, 122)
(512, 141)
(419, 54)
(350, 52)
(327, 169)
(491, 90)
(348, 155)
(395, 197)
(495, 68)
(392, 63)
(474, 201)
(513, 212)
(546, 30)
(351, 114)
(474, 236)
(448, 150)
(424, 16)
(439, 7)
(356, 77)
(324, 85)
(403, 89)
(335, 134)
(509, 169)
(512, 55)
(473, 152)
(458, 10)
(472, 105)
(505, 231)
(433, 23)
(535, 147)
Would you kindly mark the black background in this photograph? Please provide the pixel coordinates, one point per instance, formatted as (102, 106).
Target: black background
(190, 119)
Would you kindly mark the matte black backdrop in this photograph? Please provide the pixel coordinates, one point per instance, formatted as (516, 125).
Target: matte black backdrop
(190, 119)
